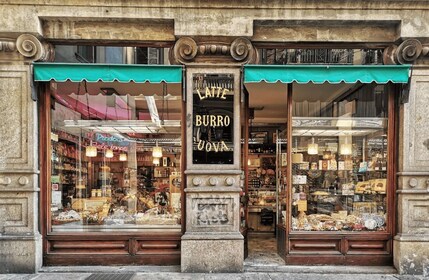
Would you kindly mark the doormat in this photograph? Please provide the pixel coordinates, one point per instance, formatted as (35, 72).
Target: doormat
(110, 276)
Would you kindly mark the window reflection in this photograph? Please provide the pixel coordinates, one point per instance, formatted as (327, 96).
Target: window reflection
(105, 172)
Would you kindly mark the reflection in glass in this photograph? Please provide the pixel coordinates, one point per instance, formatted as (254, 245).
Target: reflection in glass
(103, 175)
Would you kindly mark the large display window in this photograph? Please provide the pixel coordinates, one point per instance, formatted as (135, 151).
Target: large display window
(115, 156)
(339, 158)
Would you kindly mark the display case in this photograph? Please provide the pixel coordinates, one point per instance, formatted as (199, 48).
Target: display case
(339, 182)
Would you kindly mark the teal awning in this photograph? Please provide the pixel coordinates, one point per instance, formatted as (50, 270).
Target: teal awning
(77, 72)
(332, 74)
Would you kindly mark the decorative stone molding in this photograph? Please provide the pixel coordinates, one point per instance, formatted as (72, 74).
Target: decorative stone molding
(187, 50)
(30, 47)
(406, 53)
(7, 45)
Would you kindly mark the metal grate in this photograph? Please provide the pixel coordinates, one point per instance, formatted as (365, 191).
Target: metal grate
(110, 276)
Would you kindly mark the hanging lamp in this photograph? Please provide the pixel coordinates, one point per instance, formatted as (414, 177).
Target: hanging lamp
(346, 148)
(109, 153)
(123, 157)
(157, 151)
(155, 161)
(313, 148)
(91, 151)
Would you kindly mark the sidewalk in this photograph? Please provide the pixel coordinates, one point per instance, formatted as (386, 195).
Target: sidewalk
(251, 272)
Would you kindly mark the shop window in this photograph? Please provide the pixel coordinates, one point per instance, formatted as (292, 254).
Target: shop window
(116, 153)
(339, 158)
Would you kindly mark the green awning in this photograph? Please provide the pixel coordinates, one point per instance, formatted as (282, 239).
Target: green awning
(332, 74)
(77, 72)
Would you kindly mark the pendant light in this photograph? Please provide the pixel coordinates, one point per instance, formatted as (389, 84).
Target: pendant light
(123, 157)
(297, 157)
(313, 148)
(155, 161)
(157, 151)
(91, 151)
(346, 148)
(109, 153)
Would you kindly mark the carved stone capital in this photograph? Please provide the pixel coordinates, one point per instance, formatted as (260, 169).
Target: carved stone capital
(406, 53)
(32, 48)
(187, 50)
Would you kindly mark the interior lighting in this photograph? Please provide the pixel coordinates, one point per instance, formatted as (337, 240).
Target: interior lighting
(91, 151)
(346, 148)
(109, 153)
(157, 151)
(313, 148)
(123, 157)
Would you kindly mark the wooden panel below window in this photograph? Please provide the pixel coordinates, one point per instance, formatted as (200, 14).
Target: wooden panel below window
(325, 246)
(359, 249)
(113, 249)
(368, 247)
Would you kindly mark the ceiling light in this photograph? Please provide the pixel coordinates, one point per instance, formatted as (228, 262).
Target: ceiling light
(123, 157)
(157, 151)
(109, 153)
(91, 151)
(313, 148)
(297, 157)
(346, 148)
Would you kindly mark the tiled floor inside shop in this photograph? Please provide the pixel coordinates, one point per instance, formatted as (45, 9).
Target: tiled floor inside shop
(263, 250)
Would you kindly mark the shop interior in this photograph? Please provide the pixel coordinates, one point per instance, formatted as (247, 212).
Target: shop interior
(116, 156)
(338, 162)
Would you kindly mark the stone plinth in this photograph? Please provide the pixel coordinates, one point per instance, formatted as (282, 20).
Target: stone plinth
(212, 252)
(410, 254)
(20, 253)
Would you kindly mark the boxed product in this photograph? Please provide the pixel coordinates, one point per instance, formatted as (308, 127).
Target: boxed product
(379, 185)
(363, 187)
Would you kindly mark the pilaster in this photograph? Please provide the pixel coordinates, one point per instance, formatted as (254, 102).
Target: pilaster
(20, 240)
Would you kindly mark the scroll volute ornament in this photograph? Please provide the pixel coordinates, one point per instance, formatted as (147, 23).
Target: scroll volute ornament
(32, 48)
(184, 50)
(406, 53)
(242, 50)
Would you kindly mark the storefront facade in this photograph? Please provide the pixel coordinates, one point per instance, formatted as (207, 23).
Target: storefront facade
(370, 140)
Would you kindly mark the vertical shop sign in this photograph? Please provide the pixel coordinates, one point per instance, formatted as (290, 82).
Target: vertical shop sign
(213, 108)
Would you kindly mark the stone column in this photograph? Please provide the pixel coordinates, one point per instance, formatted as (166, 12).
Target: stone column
(212, 241)
(20, 240)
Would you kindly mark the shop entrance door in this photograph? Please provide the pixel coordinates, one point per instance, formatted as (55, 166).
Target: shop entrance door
(265, 163)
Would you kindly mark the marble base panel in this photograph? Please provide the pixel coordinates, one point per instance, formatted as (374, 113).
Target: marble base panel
(216, 253)
(20, 254)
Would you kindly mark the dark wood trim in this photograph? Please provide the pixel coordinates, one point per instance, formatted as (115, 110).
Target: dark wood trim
(246, 152)
(44, 109)
(183, 160)
(289, 107)
(391, 156)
